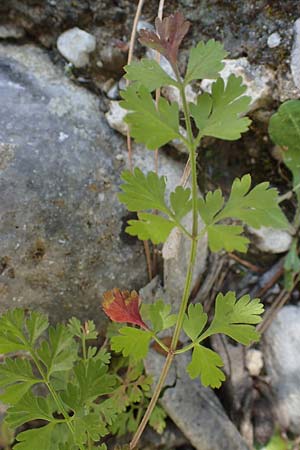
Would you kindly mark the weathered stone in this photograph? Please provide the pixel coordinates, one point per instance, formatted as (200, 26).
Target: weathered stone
(258, 79)
(295, 55)
(193, 408)
(10, 31)
(274, 40)
(254, 361)
(271, 240)
(62, 239)
(75, 45)
(281, 345)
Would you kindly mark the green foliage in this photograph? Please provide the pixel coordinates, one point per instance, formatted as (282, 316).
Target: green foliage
(218, 114)
(159, 315)
(254, 207)
(205, 61)
(291, 266)
(148, 73)
(149, 125)
(194, 321)
(132, 341)
(77, 380)
(284, 126)
(150, 226)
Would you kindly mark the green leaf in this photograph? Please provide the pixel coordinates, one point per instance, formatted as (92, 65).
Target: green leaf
(36, 324)
(291, 266)
(132, 342)
(141, 192)
(150, 226)
(210, 206)
(159, 314)
(49, 437)
(205, 364)
(194, 321)
(236, 318)
(91, 425)
(158, 419)
(88, 331)
(223, 111)
(205, 61)
(17, 378)
(60, 351)
(284, 127)
(181, 202)
(149, 125)
(256, 207)
(148, 73)
(227, 237)
(30, 407)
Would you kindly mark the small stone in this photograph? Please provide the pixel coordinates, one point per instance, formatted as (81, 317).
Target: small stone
(271, 240)
(113, 93)
(143, 25)
(295, 55)
(11, 32)
(274, 40)
(281, 345)
(258, 79)
(75, 45)
(254, 361)
(115, 117)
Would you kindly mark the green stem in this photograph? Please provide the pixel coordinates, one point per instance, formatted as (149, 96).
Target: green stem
(188, 281)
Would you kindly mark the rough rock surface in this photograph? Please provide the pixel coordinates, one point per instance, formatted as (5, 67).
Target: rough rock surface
(281, 349)
(195, 409)
(271, 240)
(62, 240)
(295, 56)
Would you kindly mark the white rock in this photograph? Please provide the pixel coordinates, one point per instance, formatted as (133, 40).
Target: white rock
(75, 45)
(295, 55)
(143, 25)
(271, 240)
(281, 345)
(254, 361)
(115, 117)
(258, 79)
(274, 40)
(172, 94)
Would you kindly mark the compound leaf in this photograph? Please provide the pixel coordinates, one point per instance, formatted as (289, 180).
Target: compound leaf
(88, 330)
(223, 119)
(236, 318)
(205, 61)
(30, 407)
(141, 192)
(49, 437)
(205, 364)
(150, 125)
(194, 321)
(148, 73)
(210, 206)
(150, 226)
(132, 341)
(90, 425)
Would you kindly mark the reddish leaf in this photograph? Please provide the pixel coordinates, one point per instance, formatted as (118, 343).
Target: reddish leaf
(168, 37)
(123, 306)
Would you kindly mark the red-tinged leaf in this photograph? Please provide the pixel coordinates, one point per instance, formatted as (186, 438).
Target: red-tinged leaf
(123, 307)
(169, 34)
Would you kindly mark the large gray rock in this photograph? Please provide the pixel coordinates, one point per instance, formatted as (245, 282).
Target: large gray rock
(281, 352)
(62, 242)
(195, 409)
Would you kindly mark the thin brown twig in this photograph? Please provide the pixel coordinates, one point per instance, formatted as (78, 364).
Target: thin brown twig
(245, 263)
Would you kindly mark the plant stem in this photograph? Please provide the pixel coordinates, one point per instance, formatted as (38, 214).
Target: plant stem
(189, 275)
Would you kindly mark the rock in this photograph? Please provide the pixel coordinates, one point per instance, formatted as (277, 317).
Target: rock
(295, 55)
(172, 94)
(62, 227)
(143, 25)
(281, 345)
(75, 45)
(271, 240)
(259, 80)
(274, 40)
(193, 408)
(115, 117)
(10, 31)
(254, 361)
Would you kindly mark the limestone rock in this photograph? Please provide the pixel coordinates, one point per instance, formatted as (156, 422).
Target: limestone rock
(295, 55)
(62, 239)
(281, 345)
(274, 40)
(10, 31)
(259, 80)
(271, 240)
(75, 45)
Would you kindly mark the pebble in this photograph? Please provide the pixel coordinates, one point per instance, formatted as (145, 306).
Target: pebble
(271, 240)
(274, 40)
(11, 32)
(254, 361)
(295, 55)
(75, 45)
